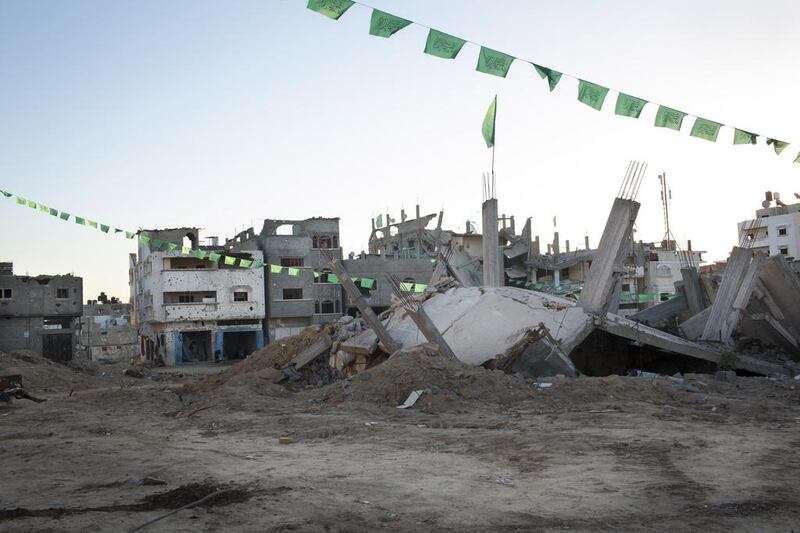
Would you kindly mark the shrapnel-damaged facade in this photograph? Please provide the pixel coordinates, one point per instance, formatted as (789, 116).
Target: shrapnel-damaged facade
(191, 310)
(40, 313)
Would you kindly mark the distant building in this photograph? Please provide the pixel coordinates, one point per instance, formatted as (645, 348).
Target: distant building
(775, 230)
(189, 309)
(106, 332)
(379, 297)
(40, 313)
(296, 302)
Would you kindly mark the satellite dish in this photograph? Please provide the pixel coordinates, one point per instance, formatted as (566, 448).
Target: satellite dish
(765, 204)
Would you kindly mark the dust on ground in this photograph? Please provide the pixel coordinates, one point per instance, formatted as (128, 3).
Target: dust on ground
(480, 451)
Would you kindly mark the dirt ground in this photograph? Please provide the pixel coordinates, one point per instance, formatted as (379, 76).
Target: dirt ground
(480, 451)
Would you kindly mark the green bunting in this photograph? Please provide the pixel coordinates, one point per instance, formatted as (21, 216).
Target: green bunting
(553, 77)
(185, 250)
(79, 220)
(92, 224)
(53, 212)
(330, 8)
(367, 283)
(777, 145)
(258, 264)
(487, 129)
(129, 235)
(44, 208)
(493, 62)
(171, 246)
(591, 94)
(157, 243)
(705, 129)
(669, 118)
(104, 228)
(420, 287)
(384, 24)
(6, 194)
(797, 159)
(199, 254)
(442, 45)
(333, 278)
(293, 271)
(379, 221)
(275, 269)
(31, 204)
(743, 137)
(21, 200)
(629, 106)
(214, 256)
(245, 263)
(63, 216)
(406, 287)
(230, 261)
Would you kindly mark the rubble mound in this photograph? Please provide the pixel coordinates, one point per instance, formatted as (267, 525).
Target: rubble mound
(261, 369)
(447, 384)
(40, 374)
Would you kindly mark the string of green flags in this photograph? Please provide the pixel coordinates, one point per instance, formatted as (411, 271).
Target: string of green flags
(494, 62)
(229, 260)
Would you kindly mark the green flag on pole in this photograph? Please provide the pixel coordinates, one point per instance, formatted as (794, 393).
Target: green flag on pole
(553, 76)
(629, 106)
(214, 256)
(443, 45)
(230, 260)
(488, 123)
(777, 145)
(330, 8)
(493, 62)
(79, 220)
(743, 137)
(669, 118)
(591, 94)
(384, 24)
(705, 129)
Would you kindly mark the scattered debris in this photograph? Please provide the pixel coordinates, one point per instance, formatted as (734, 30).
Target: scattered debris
(411, 400)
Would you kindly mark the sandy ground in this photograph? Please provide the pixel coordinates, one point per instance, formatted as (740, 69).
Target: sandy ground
(585, 454)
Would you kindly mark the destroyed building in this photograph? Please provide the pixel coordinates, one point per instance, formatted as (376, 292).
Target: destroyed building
(40, 313)
(776, 229)
(192, 308)
(106, 331)
(296, 302)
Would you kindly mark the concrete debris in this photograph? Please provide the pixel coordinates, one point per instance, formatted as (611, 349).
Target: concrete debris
(411, 400)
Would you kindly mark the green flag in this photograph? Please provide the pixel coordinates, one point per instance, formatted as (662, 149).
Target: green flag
(129, 235)
(629, 106)
(493, 62)
(553, 76)
(669, 118)
(54, 212)
(333, 278)
(199, 254)
(79, 220)
(245, 263)
(777, 145)
(21, 200)
(443, 45)
(230, 260)
(31, 204)
(92, 223)
(214, 256)
(406, 287)
(186, 250)
(157, 243)
(275, 269)
(117, 230)
(43, 208)
(330, 8)
(171, 246)
(705, 129)
(591, 94)
(488, 123)
(6, 194)
(385, 24)
(293, 271)
(63, 216)
(420, 287)
(104, 228)
(258, 264)
(144, 238)
(367, 283)
(379, 221)
(743, 137)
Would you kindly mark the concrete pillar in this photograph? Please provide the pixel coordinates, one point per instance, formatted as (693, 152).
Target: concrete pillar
(493, 275)
(566, 245)
(735, 271)
(556, 244)
(586, 242)
(598, 289)
(556, 278)
(536, 246)
(694, 293)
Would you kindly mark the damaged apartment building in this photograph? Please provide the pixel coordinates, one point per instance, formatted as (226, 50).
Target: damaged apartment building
(193, 309)
(107, 333)
(40, 313)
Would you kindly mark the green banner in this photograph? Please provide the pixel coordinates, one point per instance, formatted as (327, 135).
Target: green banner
(230, 261)
(443, 45)
(553, 77)
(777, 145)
(275, 269)
(245, 263)
(493, 62)
(214, 257)
(487, 129)
(629, 106)
(705, 129)
(669, 118)
(79, 220)
(591, 94)
(330, 8)
(383, 24)
(743, 137)
(367, 283)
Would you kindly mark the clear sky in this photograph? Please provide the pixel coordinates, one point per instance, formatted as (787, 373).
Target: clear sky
(219, 114)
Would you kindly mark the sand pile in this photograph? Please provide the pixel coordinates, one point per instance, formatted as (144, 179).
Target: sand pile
(40, 374)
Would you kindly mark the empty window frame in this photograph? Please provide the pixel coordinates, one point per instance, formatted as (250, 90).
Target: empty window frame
(240, 296)
(291, 261)
(784, 250)
(292, 294)
(62, 293)
(6, 294)
(783, 231)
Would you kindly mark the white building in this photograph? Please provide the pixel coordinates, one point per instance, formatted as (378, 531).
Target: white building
(775, 230)
(189, 309)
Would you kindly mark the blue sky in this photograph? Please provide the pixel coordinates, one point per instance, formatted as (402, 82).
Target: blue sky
(220, 114)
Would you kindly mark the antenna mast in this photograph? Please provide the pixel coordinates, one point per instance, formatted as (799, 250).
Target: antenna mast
(666, 196)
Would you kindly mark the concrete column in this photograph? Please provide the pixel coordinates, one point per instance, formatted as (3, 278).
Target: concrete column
(735, 271)
(694, 293)
(556, 278)
(566, 245)
(536, 246)
(493, 275)
(598, 290)
(586, 242)
(556, 244)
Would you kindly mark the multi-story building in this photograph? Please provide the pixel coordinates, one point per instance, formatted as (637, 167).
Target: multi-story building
(40, 313)
(106, 332)
(775, 230)
(378, 296)
(296, 302)
(191, 309)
